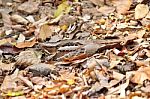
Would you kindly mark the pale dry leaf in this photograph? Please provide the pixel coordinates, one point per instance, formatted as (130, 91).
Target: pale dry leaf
(19, 19)
(138, 97)
(98, 2)
(15, 74)
(106, 10)
(8, 84)
(19, 97)
(30, 18)
(26, 81)
(45, 31)
(38, 80)
(91, 48)
(122, 89)
(141, 11)
(28, 58)
(147, 52)
(143, 62)
(118, 76)
(148, 15)
(66, 75)
(142, 74)
(5, 41)
(113, 63)
(122, 5)
(68, 48)
(6, 19)
(122, 26)
(28, 7)
(7, 67)
(21, 38)
(141, 33)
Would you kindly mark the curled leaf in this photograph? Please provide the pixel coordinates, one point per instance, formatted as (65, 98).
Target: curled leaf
(26, 43)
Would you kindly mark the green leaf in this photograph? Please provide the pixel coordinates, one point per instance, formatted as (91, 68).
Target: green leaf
(64, 7)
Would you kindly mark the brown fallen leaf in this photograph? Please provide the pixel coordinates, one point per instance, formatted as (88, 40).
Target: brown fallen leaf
(6, 19)
(141, 8)
(64, 88)
(26, 43)
(106, 10)
(69, 77)
(142, 74)
(6, 49)
(75, 57)
(45, 31)
(122, 5)
(98, 2)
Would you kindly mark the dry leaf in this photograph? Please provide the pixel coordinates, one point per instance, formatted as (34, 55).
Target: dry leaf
(148, 16)
(64, 88)
(21, 38)
(4, 41)
(26, 43)
(6, 19)
(38, 80)
(141, 11)
(26, 81)
(9, 49)
(95, 88)
(69, 77)
(28, 58)
(7, 67)
(141, 75)
(8, 84)
(106, 10)
(45, 31)
(117, 77)
(141, 33)
(98, 2)
(123, 6)
(19, 19)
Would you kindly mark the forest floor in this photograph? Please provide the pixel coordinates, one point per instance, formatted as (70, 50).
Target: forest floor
(74, 49)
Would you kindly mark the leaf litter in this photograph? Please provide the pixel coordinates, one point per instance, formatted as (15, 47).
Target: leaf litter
(74, 49)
